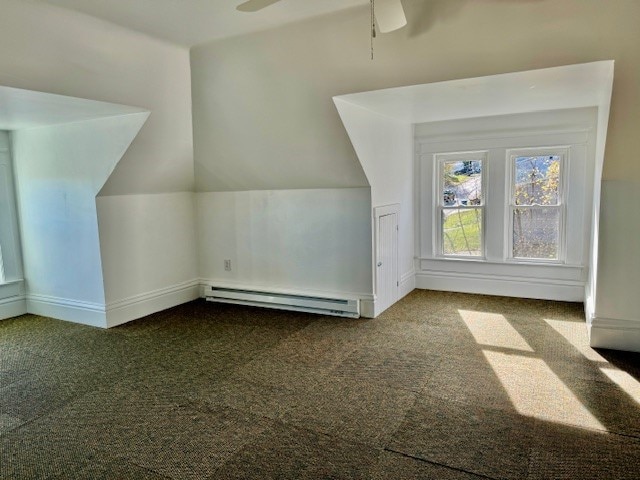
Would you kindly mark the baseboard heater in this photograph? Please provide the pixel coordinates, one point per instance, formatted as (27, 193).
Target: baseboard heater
(303, 303)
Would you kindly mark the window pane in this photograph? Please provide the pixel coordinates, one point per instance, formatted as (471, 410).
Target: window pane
(462, 231)
(462, 181)
(535, 233)
(537, 180)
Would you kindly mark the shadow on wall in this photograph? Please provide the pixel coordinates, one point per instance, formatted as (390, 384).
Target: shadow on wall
(422, 15)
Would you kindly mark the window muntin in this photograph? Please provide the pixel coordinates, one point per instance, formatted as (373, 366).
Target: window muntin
(536, 210)
(461, 203)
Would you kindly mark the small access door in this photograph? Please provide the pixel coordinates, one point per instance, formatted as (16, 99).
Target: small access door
(386, 257)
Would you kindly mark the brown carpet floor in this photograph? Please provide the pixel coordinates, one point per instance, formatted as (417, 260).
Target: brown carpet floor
(442, 386)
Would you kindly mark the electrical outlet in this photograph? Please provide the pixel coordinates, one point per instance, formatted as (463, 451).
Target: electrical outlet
(227, 265)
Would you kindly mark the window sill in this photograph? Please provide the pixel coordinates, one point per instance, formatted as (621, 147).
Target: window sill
(458, 259)
(484, 261)
(549, 263)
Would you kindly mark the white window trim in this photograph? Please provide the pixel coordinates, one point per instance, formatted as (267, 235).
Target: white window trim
(10, 257)
(3, 279)
(438, 189)
(563, 152)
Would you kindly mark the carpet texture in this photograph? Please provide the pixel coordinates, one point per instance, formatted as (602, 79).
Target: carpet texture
(441, 385)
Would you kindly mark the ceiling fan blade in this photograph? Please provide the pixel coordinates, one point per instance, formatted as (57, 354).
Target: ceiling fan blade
(390, 15)
(255, 5)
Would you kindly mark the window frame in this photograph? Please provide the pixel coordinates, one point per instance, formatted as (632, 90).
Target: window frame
(3, 278)
(561, 206)
(10, 247)
(438, 202)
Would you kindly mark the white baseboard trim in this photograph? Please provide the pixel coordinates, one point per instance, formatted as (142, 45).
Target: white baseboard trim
(407, 284)
(138, 306)
(13, 307)
(616, 334)
(368, 307)
(544, 289)
(114, 313)
(86, 313)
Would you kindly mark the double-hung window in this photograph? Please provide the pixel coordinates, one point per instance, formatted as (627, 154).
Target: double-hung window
(460, 204)
(468, 198)
(536, 205)
(503, 204)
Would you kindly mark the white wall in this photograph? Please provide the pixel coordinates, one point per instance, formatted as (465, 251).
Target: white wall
(270, 92)
(615, 319)
(289, 74)
(148, 247)
(12, 301)
(256, 127)
(50, 49)
(59, 171)
(296, 240)
(385, 149)
(619, 234)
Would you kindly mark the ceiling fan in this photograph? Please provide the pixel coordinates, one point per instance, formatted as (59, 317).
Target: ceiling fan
(389, 14)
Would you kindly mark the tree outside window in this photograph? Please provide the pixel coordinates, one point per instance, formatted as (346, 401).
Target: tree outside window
(536, 206)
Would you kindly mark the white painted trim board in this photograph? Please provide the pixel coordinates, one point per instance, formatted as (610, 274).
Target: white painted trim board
(13, 307)
(138, 306)
(614, 333)
(85, 313)
(114, 313)
(544, 289)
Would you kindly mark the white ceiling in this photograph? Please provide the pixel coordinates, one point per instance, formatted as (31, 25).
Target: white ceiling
(192, 22)
(21, 109)
(571, 86)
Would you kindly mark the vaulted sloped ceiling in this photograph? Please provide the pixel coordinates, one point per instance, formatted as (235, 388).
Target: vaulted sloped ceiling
(50, 49)
(262, 103)
(192, 22)
(263, 114)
